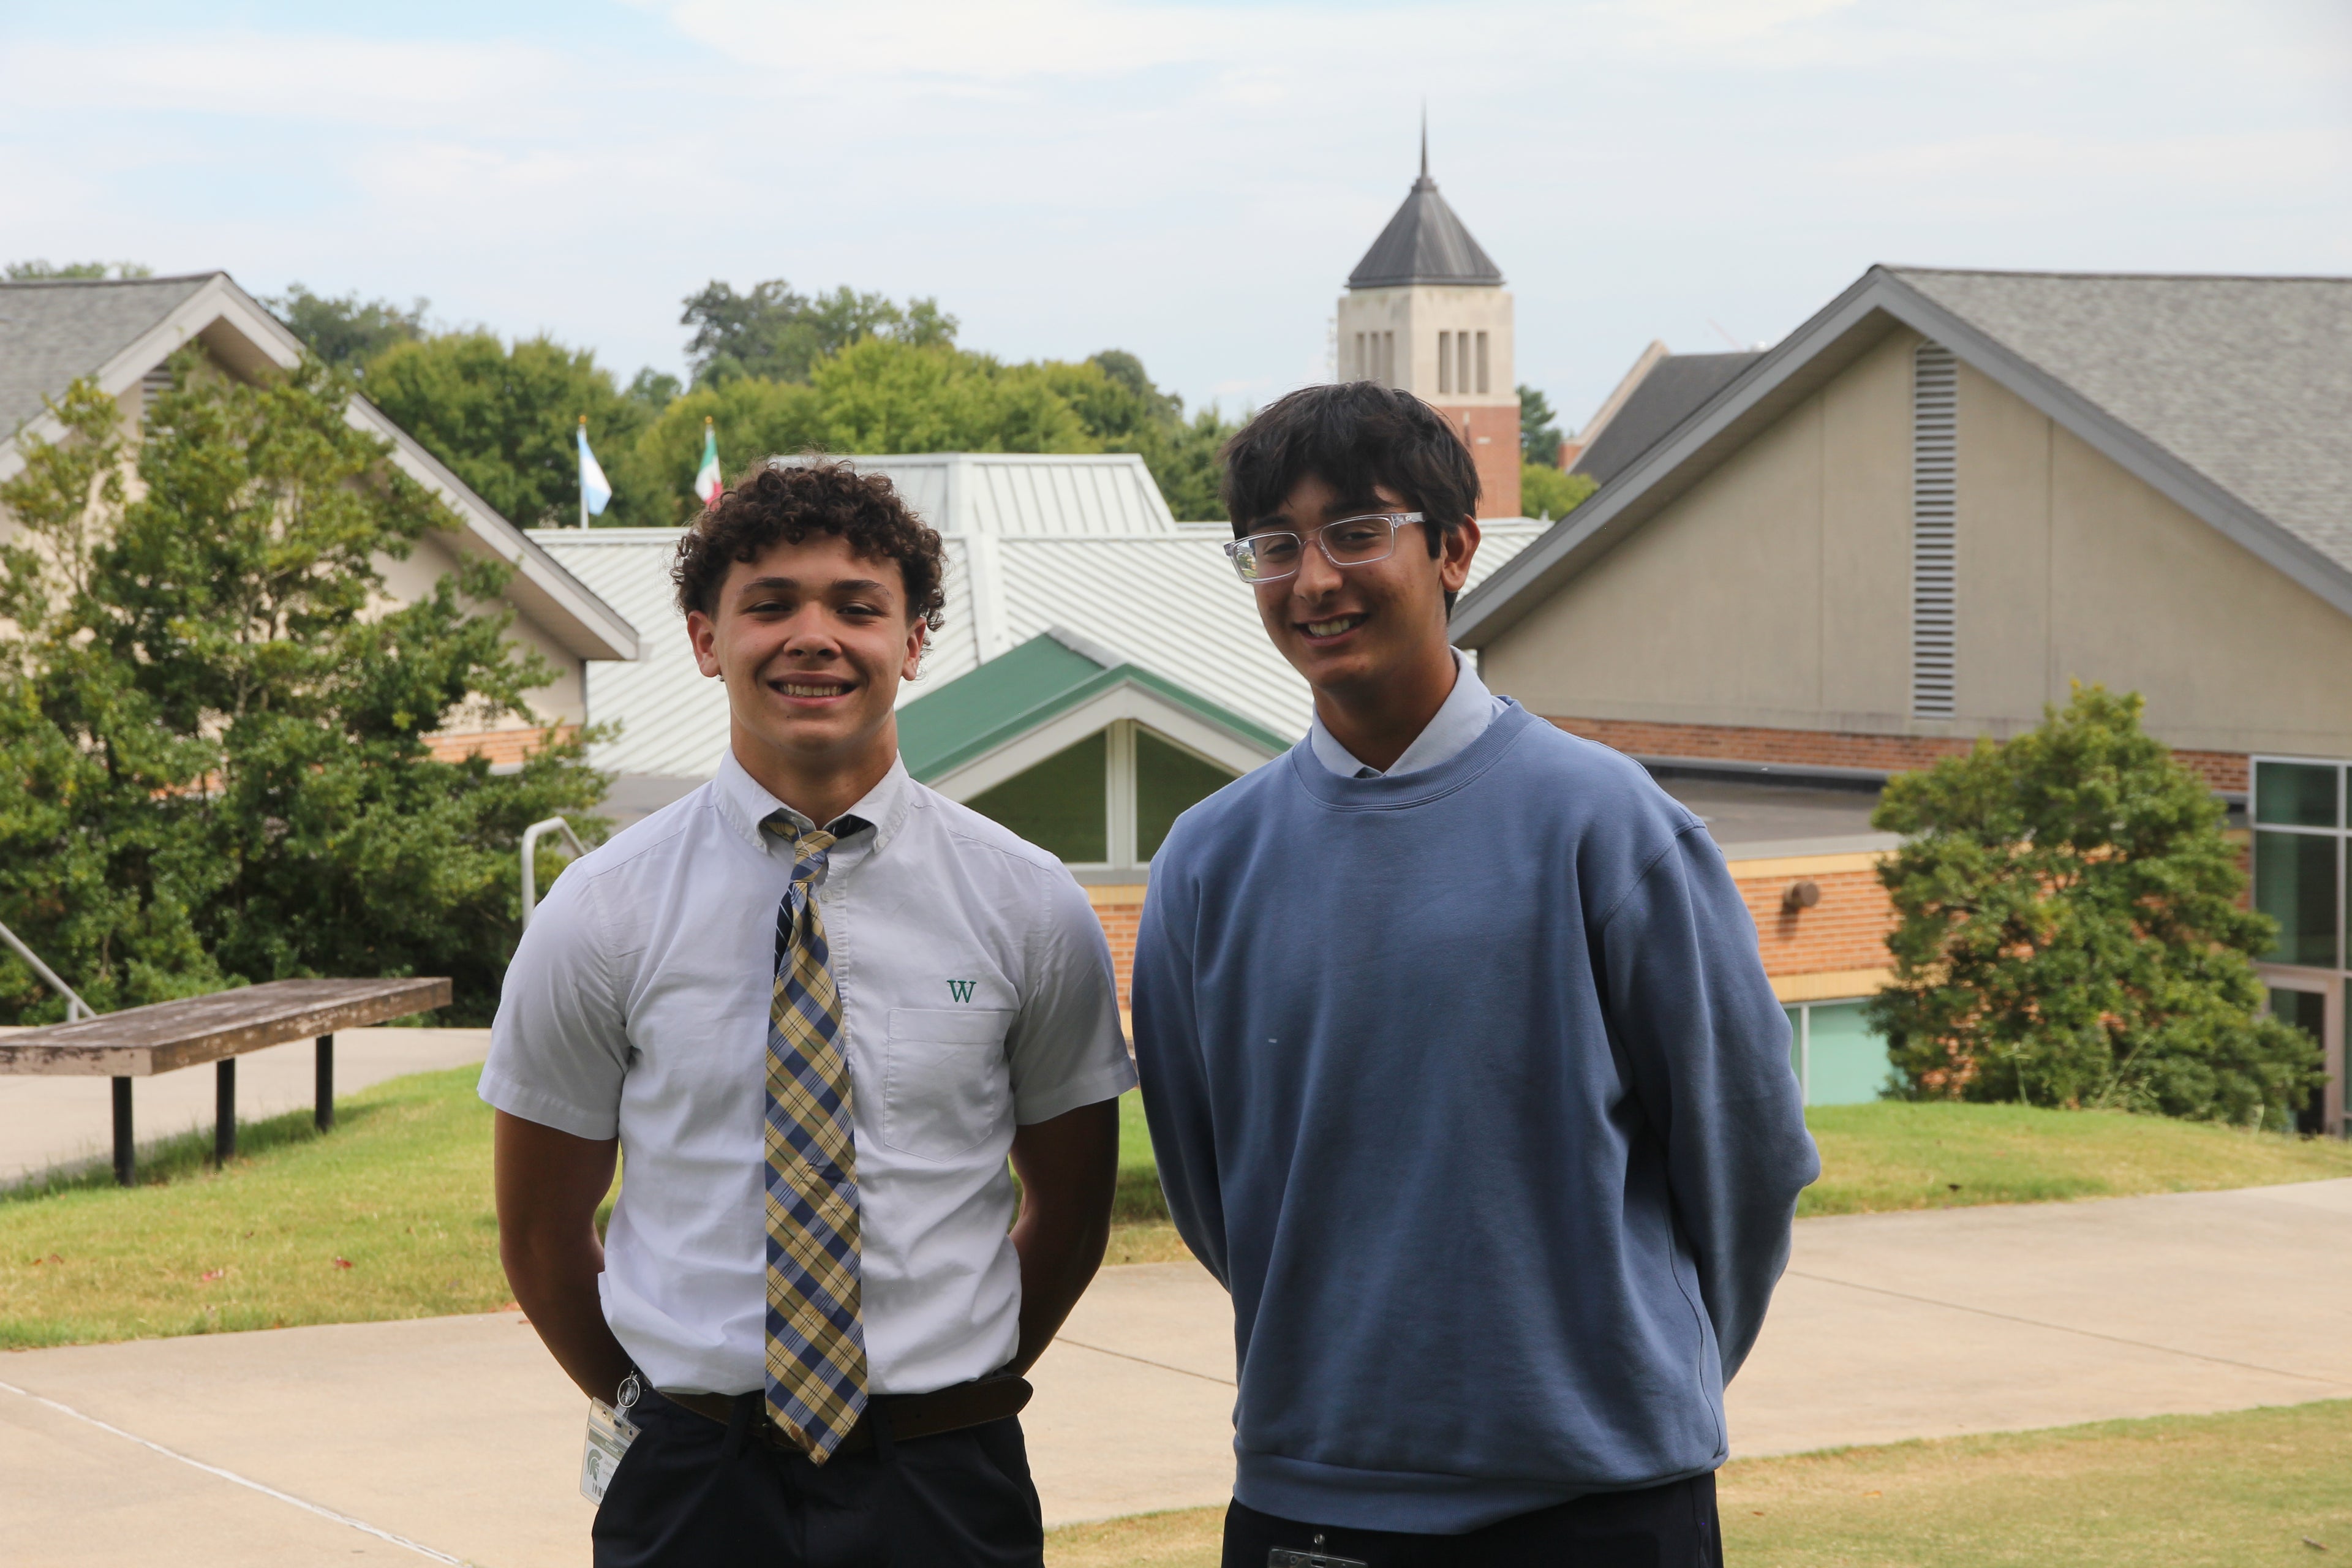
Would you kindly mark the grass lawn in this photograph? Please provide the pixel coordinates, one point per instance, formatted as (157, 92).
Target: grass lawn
(387, 1217)
(1902, 1155)
(2255, 1486)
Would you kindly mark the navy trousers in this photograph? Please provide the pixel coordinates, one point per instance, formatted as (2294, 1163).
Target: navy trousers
(1672, 1526)
(690, 1493)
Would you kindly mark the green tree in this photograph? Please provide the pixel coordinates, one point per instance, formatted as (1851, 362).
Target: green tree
(348, 332)
(505, 419)
(753, 419)
(2070, 930)
(214, 730)
(36, 271)
(779, 334)
(1539, 436)
(1545, 492)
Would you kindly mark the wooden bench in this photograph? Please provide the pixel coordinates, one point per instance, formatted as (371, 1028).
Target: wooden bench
(139, 1042)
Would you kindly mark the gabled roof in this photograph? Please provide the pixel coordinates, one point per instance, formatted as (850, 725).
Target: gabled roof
(116, 331)
(57, 329)
(950, 728)
(1670, 390)
(2226, 394)
(1424, 243)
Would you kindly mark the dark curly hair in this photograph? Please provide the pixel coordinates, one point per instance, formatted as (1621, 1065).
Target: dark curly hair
(785, 501)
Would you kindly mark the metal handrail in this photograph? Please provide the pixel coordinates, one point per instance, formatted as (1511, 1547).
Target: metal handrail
(76, 1009)
(531, 836)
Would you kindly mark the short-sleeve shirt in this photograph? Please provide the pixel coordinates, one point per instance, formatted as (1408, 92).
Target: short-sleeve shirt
(977, 995)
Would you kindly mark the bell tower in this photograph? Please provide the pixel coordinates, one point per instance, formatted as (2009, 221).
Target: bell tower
(1426, 312)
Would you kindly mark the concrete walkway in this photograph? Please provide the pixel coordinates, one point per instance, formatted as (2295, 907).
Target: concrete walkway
(52, 1121)
(455, 1440)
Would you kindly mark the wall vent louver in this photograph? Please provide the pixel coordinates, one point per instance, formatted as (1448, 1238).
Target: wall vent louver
(1935, 564)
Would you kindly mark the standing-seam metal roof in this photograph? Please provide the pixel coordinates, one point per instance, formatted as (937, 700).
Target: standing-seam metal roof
(1164, 598)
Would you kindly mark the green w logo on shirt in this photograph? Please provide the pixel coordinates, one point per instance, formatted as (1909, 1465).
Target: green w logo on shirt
(961, 989)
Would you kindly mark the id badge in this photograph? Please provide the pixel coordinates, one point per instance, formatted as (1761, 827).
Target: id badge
(1312, 1557)
(610, 1433)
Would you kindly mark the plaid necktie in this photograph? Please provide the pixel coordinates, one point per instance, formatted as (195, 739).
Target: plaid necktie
(816, 1333)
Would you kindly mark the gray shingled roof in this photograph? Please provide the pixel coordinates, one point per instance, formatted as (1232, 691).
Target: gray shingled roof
(1424, 243)
(1672, 392)
(2246, 380)
(55, 331)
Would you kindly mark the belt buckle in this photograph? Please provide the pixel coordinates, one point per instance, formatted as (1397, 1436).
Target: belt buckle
(1312, 1557)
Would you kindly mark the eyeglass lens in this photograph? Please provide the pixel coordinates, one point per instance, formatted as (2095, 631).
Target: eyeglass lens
(1350, 541)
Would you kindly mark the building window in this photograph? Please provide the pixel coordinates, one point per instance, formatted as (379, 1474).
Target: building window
(2302, 832)
(1444, 364)
(1482, 364)
(1935, 562)
(1387, 359)
(1108, 801)
(1058, 805)
(1836, 1057)
(1363, 369)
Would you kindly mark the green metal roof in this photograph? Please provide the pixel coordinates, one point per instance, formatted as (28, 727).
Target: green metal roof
(1013, 693)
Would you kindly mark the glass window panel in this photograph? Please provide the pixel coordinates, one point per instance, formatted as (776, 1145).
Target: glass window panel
(1058, 805)
(2307, 1011)
(2295, 794)
(1168, 781)
(2295, 884)
(1848, 1062)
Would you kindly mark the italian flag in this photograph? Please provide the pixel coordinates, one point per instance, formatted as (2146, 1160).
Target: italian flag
(707, 482)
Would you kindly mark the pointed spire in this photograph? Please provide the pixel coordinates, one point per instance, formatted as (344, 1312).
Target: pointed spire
(1424, 242)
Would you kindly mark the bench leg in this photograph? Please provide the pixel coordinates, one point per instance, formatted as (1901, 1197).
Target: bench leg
(126, 1159)
(224, 1111)
(324, 1116)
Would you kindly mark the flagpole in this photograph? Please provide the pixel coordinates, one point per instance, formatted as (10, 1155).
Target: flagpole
(583, 478)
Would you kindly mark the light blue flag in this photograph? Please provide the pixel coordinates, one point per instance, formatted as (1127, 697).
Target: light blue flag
(595, 490)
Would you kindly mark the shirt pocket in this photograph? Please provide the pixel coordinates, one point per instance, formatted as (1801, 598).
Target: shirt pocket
(946, 1087)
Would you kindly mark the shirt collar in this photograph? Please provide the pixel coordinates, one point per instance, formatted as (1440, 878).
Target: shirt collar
(1461, 719)
(745, 805)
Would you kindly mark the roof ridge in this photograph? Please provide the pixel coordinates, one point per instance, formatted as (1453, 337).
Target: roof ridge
(110, 282)
(1901, 267)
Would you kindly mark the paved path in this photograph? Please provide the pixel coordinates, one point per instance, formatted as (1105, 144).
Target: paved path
(47, 1122)
(459, 1436)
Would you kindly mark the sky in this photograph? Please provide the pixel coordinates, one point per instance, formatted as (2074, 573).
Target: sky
(1190, 182)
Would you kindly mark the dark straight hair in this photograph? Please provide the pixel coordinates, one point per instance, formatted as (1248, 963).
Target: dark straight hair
(1352, 435)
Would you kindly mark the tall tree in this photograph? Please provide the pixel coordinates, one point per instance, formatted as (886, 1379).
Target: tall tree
(1539, 436)
(2072, 931)
(38, 270)
(774, 332)
(217, 732)
(346, 331)
(504, 419)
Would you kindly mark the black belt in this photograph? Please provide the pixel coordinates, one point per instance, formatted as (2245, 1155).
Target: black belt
(908, 1415)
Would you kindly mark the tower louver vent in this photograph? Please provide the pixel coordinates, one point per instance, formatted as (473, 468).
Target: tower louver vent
(1935, 576)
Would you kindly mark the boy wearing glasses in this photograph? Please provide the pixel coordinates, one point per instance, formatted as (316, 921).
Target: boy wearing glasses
(1460, 1062)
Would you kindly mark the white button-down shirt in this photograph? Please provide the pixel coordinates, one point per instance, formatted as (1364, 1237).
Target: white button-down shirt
(1461, 719)
(977, 994)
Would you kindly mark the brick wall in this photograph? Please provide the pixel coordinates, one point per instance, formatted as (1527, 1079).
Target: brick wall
(505, 748)
(1830, 747)
(1845, 931)
(1120, 909)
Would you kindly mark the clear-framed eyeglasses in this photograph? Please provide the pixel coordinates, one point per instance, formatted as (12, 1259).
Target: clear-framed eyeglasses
(1349, 541)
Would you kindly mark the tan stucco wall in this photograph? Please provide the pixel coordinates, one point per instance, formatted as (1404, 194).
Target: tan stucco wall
(560, 703)
(1416, 315)
(1776, 592)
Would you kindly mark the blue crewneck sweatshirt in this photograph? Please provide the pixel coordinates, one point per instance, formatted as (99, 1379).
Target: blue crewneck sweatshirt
(1470, 1087)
